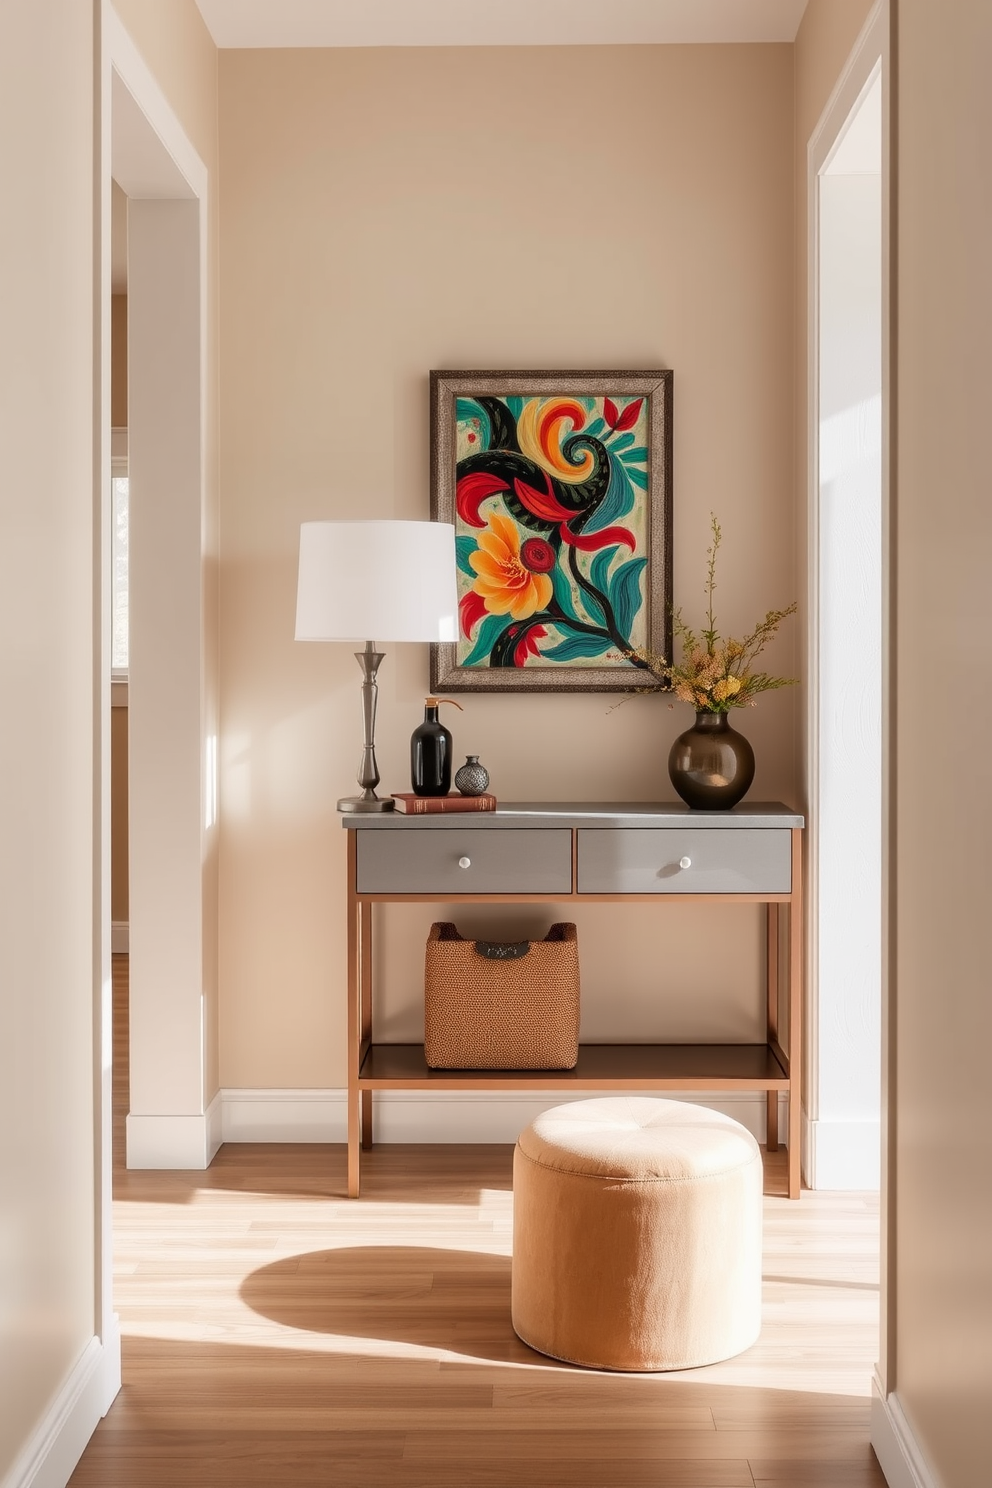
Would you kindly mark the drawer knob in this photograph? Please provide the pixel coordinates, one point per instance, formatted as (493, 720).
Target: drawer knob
(464, 862)
(685, 862)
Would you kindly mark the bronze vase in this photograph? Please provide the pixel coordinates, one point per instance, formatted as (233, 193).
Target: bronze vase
(711, 765)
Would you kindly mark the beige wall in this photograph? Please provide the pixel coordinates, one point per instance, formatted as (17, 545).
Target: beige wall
(384, 212)
(177, 48)
(940, 1277)
(49, 896)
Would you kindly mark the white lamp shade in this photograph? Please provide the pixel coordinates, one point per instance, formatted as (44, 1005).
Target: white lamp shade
(382, 581)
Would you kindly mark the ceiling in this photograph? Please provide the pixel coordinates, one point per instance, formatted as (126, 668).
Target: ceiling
(366, 23)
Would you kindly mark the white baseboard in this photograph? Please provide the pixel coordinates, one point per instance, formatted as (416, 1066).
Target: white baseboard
(213, 1120)
(51, 1453)
(425, 1116)
(894, 1443)
(188, 1142)
(119, 937)
(307, 1115)
(842, 1155)
(284, 1115)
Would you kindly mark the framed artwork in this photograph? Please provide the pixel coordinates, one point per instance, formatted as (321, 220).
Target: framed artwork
(559, 486)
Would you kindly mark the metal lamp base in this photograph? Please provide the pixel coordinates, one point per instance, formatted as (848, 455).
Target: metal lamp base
(368, 770)
(359, 803)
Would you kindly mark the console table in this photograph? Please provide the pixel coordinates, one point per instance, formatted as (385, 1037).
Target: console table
(527, 853)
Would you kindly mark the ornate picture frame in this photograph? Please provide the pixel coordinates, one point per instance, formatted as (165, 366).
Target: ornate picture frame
(559, 485)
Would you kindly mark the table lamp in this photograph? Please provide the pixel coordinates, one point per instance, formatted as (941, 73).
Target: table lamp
(394, 580)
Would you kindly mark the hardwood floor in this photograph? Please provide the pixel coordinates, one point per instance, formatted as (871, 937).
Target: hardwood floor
(278, 1333)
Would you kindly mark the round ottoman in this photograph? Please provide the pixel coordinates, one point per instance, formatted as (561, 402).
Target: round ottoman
(636, 1234)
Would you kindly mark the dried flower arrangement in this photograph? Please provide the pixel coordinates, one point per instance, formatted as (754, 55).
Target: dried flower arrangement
(714, 674)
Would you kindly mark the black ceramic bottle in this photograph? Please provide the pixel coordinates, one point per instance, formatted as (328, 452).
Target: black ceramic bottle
(430, 752)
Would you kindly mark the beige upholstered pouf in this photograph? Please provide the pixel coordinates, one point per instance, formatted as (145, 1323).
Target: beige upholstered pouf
(636, 1234)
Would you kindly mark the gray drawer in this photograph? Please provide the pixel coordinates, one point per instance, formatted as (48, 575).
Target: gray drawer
(647, 861)
(421, 861)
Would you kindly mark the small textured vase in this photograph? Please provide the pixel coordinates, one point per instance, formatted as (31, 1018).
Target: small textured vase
(711, 765)
(473, 778)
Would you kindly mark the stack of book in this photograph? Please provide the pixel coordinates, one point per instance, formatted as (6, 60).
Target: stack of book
(425, 805)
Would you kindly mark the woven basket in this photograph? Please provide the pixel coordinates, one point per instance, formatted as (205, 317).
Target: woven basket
(512, 1008)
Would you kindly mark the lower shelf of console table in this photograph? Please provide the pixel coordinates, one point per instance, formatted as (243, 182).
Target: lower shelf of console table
(562, 853)
(600, 1067)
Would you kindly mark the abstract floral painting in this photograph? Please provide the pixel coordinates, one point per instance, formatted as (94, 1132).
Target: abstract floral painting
(559, 487)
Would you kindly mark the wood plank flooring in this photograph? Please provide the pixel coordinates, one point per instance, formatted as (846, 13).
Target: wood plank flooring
(277, 1333)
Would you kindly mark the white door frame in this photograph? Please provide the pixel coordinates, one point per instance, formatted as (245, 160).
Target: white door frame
(144, 129)
(843, 1146)
(148, 153)
(870, 54)
(891, 1438)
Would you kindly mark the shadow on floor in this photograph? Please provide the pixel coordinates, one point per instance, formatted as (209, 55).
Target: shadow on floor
(437, 1299)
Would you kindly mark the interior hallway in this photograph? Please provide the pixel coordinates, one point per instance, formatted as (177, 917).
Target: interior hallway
(277, 1333)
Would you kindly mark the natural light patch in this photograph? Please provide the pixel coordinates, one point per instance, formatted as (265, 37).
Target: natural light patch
(237, 776)
(273, 1335)
(849, 438)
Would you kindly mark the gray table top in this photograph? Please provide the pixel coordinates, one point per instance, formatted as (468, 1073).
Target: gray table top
(605, 814)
